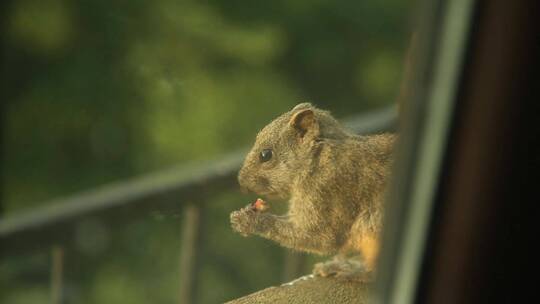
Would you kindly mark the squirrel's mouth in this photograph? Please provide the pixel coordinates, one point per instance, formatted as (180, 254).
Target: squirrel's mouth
(271, 194)
(266, 193)
(263, 189)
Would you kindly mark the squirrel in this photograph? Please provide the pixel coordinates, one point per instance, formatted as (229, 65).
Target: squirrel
(334, 181)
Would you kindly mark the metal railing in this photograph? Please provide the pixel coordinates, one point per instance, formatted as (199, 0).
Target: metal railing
(53, 226)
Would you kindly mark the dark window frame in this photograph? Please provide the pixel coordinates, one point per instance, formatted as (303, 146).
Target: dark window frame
(467, 241)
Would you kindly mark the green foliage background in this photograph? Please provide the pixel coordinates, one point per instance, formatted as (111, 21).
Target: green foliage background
(96, 91)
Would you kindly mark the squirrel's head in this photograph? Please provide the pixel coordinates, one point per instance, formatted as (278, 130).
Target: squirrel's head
(285, 150)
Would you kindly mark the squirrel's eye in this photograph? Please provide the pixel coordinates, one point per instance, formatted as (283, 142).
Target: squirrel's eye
(266, 155)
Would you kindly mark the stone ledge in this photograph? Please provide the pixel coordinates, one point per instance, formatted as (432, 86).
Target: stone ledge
(309, 289)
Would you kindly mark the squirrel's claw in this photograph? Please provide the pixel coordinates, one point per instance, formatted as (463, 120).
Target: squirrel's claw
(243, 220)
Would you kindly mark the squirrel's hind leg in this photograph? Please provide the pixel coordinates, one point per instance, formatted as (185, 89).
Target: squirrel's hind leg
(340, 267)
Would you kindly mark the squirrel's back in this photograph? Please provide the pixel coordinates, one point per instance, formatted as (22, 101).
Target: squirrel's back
(343, 186)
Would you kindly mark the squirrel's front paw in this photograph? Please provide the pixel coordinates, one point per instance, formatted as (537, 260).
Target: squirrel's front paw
(244, 221)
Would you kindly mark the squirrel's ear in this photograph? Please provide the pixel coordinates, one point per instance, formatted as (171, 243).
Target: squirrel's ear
(304, 122)
(304, 105)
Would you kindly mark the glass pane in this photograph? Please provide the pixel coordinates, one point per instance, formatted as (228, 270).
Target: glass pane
(99, 92)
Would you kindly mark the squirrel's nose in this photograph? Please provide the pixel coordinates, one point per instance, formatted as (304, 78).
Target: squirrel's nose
(242, 180)
(243, 187)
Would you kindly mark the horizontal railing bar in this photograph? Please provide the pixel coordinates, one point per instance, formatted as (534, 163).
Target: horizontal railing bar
(118, 194)
(164, 191)
(114, 204)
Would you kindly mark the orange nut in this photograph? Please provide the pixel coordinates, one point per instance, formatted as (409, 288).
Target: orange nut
(260, 205)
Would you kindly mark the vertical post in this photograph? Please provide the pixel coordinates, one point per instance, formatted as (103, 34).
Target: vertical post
(191, 236)
(57, 269)
(293, 266)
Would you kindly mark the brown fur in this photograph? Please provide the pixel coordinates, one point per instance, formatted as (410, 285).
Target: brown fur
(334, 182)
